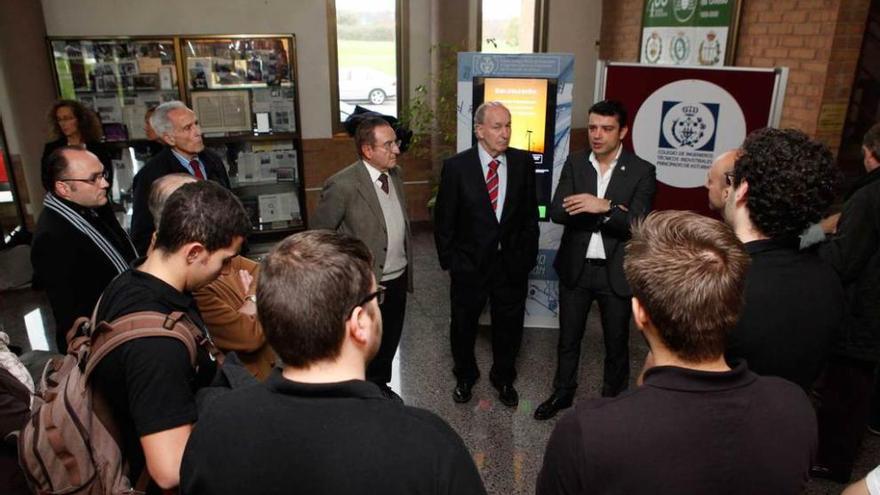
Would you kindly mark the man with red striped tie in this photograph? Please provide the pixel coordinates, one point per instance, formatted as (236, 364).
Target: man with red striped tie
(486, 232)
(185, 152)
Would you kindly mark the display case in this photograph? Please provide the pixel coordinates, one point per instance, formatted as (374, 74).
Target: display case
(244, 92)
(119, 78)
(242, 88)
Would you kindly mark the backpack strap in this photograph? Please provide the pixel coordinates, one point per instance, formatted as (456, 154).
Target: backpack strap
(108, 336)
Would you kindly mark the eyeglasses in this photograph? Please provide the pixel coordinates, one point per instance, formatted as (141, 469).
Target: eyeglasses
(728, 177)
(391, 144)
(379, 295)
(66, 118)
(91, 180)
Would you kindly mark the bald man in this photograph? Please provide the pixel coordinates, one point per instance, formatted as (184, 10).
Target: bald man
(716, 182)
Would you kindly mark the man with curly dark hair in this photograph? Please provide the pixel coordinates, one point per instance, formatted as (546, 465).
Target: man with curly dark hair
(782, 182)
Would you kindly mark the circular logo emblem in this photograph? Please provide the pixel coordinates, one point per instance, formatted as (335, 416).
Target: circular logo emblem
(688, 125)
(683, 10)
(653, 48)
(683, 125)
(710, 50)
(680, 48)
(486, 65)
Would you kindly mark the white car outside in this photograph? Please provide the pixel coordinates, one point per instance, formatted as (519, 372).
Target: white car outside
(366, 84)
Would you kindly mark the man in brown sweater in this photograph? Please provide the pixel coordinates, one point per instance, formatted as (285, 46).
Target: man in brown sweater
(228, 305)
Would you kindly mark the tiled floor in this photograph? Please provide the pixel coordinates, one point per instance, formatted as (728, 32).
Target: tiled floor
(507, 444)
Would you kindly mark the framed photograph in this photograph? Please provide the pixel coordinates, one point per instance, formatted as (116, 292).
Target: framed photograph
(146, 82)
(690, 32)
(166, 77)
(223, 111)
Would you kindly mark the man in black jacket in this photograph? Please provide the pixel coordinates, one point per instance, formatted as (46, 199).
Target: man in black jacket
(79, 246)
(854, 252)
(486, 232)
(185, 153)
(600, 193)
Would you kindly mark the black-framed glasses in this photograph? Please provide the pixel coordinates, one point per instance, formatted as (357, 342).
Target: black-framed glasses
(728, 177)
(379, 295)
(91, 180)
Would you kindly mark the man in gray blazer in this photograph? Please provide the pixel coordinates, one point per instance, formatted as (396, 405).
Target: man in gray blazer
(366, 200)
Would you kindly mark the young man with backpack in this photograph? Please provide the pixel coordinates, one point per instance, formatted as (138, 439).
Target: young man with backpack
(149, 383)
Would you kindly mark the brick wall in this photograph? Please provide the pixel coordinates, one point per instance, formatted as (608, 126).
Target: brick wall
(818, 40)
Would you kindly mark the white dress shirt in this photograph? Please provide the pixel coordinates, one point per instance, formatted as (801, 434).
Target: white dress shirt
(596, 249)
(485, 158)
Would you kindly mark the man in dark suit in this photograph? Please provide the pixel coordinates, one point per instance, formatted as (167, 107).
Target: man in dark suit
(486, 231)
(79, 246)
(185, 153)
(599, 194)
(366, 200)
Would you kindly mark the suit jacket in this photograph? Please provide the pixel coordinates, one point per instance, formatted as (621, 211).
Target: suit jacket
(632, 184)
(70, 266)
(164, 163)
(466, 231)
(219, 303)
(349, 204)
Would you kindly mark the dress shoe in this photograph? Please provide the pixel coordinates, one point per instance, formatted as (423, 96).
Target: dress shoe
(462, 392)
(827, 473)
(556, 402)
(507, 395)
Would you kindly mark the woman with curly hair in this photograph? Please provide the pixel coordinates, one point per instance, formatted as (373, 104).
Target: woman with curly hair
(73, 124)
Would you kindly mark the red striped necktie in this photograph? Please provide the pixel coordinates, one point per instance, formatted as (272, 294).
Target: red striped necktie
(492, 184)
(197, 170)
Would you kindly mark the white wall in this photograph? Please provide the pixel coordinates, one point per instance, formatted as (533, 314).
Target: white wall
(307, 19)
(574, 28)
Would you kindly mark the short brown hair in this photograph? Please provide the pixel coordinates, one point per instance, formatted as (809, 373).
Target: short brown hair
(364, 134)
(688, 271)
(309, 284)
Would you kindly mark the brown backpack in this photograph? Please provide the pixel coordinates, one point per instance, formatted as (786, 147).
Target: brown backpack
(71, 443)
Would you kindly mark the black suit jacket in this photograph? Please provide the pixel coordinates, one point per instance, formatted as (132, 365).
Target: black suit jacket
(466, 232)
(632, 184)
(164, 163)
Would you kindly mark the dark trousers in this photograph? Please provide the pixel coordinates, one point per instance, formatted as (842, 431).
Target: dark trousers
(615, 311)
(507, 302)
(393, 311)
(844, 395)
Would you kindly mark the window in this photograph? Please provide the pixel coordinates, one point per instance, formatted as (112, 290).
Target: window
(512, 26)
(367, 55)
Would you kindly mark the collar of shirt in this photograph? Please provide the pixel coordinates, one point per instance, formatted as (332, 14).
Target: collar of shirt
(185, 162)
(347, 389)
(374, 172)
(595, 162)
(690, 380)
(485, 158)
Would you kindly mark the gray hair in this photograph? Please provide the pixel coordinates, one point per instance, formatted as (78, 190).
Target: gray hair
(162, 189)
(480, 114)
(160, 122)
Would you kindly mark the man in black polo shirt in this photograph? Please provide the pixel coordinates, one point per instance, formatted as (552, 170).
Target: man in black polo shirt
(149, 382)
(697, 424)
(782, 181)
(317, 426)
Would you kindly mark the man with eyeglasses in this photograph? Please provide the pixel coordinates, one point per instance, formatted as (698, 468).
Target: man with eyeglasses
(718, 179)
(317, 426)
(79, 245)
(367, 200)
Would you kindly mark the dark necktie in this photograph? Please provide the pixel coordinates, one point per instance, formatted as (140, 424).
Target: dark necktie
(197, 170)
(492, 184)
(383, 178)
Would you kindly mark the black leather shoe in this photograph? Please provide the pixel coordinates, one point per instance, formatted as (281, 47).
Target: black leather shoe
(462, 392)
(556, 402)
(507, 395)
(826, 473)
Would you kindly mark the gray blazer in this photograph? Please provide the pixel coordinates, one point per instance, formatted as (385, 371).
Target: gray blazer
(349, 204)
